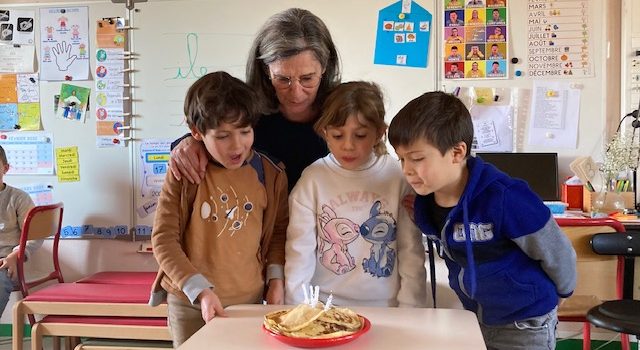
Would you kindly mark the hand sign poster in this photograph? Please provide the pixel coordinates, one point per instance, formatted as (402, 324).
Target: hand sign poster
(64, 36)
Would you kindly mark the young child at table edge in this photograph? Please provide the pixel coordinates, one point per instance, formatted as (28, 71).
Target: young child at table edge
(220, 242)
(16, 204)
(508, 260)
(348, 231)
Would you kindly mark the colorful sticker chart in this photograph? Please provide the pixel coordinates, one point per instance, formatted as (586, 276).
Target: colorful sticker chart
(475, 39)
(558, 39)
(28, 153)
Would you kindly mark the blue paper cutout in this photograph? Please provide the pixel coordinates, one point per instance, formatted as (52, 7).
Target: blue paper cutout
(403, 41)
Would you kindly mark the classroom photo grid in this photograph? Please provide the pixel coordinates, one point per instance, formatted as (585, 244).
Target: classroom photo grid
(475, 39)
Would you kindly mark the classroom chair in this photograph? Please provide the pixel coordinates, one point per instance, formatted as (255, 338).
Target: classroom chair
(618, 315)
(40, 222)
(121, 277)
(116, 311)
(597, 274)
(110, 304)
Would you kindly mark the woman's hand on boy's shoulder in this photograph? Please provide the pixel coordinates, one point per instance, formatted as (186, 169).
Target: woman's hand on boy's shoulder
(210, 305)
(275, 291)
(189, 159)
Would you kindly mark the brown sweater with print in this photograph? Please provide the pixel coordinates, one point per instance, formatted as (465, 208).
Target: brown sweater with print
(228, 228)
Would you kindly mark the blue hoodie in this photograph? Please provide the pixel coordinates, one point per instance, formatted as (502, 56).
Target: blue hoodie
(516, 262)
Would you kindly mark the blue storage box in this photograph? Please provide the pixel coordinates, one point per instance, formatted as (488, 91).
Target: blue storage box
(556, 207)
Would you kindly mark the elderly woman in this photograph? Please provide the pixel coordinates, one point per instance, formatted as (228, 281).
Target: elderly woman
(292, 65)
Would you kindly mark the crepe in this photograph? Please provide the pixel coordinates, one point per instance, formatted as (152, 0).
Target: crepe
(296, 318)
(305, 321)
(343, 317)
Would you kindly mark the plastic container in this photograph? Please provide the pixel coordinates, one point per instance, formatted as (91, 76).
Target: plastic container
(556, 207)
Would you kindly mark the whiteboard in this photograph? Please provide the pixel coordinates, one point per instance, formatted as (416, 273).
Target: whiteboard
(217, 35)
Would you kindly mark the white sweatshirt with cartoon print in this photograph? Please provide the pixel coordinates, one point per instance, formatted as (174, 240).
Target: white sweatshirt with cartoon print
(349, 234)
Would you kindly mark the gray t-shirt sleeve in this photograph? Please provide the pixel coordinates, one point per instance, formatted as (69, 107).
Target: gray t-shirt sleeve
(551, 247)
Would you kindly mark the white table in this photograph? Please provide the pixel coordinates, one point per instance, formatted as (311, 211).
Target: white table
(391, 328)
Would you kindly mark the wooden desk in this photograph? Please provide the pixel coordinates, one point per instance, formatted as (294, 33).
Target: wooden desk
(391, 328)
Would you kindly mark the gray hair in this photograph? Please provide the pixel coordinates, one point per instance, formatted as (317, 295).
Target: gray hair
(287, 34)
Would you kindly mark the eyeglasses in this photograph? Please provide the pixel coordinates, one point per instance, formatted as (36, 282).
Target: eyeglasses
(307, 81)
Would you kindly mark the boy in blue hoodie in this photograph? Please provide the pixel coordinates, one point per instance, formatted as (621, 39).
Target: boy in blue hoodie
(508, 260)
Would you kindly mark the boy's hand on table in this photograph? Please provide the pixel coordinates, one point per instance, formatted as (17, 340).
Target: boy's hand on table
(210, 305)
(275, 292)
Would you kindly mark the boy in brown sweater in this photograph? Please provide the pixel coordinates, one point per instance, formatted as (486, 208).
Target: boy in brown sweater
(220, 242)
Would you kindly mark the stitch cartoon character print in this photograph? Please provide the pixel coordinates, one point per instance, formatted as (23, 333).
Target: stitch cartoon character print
(380, 231)
(338, 236)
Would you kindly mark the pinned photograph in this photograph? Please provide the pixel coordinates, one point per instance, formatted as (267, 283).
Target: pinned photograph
(73, 102)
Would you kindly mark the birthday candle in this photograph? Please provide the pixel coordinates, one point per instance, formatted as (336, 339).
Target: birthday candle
(306, 295)
(329, 300)
(316, 296)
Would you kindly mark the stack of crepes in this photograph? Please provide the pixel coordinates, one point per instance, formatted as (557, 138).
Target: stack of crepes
(306, 321)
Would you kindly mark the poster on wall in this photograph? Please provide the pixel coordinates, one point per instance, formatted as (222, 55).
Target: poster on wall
(109, 97)
(16, 27)
(19, 102)
(475, 39)
(73, 102)
(17, 41)
(64, 43)
(403, 34)
(40, 193)
(28, 153)
(558, 39)
(154, 163)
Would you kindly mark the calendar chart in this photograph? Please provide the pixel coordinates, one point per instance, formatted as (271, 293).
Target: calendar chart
(28, 153)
